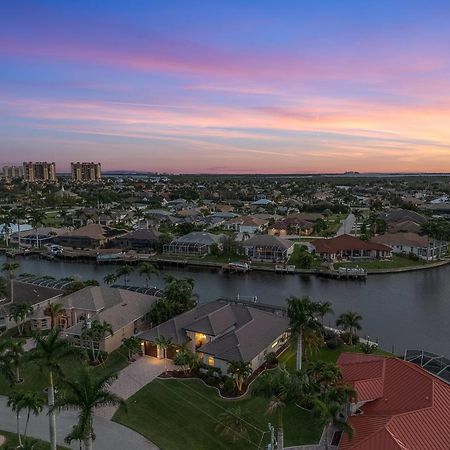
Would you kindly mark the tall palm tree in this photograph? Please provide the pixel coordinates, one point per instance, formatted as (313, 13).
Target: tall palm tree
(19, 214)
(233, 424)
(301, 313)
(349, 321)
(19, 312)
(55, 311)
(85, 392)
(49, 353)
(124, 271)
(10, 269)
(240, 371)
(7, 222)
(148, 269)
(14, 353)
(37, 219)
(324, 308)
(16, 403)
(110, 279)
(34, 403)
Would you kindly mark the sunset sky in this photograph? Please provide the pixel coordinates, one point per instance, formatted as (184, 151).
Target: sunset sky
(227, 86)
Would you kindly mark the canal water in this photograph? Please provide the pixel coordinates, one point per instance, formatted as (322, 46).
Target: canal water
(405, 310)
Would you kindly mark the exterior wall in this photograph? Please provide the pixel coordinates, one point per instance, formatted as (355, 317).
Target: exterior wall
(258, 361)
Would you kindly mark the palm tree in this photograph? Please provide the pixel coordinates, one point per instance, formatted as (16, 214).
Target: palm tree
(10, 268)
(148, 269)
(55, 311)
(87, 391)
(37, 219)
(349, 321)
(324, 308)
(18, 215)
(7, 222)
(19, 312)
(132, 344)
(233, 424)
(94, 333)
(6, 364)
(240, 371)
(124, 271)
(164, 343)
(301, 313)
(323, 374)
(16, 403)
(34, 403)
(14, 353)
(110, 279)
(281, 387)
(328, 409)
(49, 353)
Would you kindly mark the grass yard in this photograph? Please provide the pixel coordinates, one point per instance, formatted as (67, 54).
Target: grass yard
(324, 354)
(12, 442)
(397, 262)
(36, 380)
(182, 414)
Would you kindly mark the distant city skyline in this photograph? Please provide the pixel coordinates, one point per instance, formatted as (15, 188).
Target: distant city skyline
(227, 87)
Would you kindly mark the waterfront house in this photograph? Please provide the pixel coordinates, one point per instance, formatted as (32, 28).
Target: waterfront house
(126, 311)
(93, 235)
(37, 237)
(424, 247)
(221, 332)
(195, 243)
(140, 240)
(399, 405)
(347, 247)
(29, 294)
(263, 247)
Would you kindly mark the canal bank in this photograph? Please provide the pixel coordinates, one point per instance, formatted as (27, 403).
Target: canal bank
(404, 310)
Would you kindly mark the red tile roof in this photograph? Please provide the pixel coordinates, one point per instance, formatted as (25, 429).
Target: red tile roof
(345, 242)
(407, 408)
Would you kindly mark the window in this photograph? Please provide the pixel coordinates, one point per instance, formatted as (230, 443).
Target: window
(211, 361)
(275, 344)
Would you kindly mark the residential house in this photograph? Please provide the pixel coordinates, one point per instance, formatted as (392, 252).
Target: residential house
(126, 311)
(347, 247)
(291, 226)
(246, 224)
(268, 248)
(37, 237)
(221, 332)
(27, 293)
(399, 405)
(140, 240)
(195, 243)
(93, 235)
(422, 246)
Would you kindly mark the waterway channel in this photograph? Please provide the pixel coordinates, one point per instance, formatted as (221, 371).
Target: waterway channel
(402, 310)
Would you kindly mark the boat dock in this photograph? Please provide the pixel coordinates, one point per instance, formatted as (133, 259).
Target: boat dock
(345, 273)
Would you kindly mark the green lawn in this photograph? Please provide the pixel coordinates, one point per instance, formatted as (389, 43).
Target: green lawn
(182, 414)
(12, 442)
(325, 354)
(396, 262)
(36, 380)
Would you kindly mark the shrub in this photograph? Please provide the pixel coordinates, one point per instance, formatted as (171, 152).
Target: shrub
(367, 347)
(334, 343)
(346, 338)
(271, 358)
(228, 386)
(413, 257)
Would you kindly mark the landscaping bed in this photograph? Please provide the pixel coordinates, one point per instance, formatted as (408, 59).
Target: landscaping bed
(12, 442)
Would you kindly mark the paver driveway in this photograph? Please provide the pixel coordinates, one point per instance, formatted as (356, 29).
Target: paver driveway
(133, 378)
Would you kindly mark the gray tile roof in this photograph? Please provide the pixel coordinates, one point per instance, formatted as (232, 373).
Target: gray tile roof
(240, 332)
(199, 237)
(265, 240)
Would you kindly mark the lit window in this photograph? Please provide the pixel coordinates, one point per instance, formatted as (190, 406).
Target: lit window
(211, 361)
(274, 344)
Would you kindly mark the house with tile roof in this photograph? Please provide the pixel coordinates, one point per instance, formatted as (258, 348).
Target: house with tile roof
(221, 332)
(263, 247)
(347, 247)
(399, 405)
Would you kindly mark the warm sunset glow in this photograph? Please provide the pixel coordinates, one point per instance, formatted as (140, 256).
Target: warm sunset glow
(318, 86)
